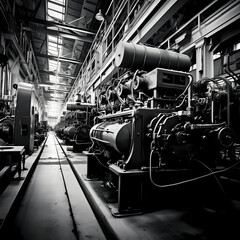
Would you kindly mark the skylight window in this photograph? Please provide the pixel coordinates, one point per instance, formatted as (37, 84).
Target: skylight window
(56, 9)
(55, 12)
(52, 38)
(58, 1)
(53, 65)
(53, 79)
(54, 48)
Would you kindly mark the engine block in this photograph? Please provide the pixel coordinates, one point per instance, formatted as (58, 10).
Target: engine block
(155, 125)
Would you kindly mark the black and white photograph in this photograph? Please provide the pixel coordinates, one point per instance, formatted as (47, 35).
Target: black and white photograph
(119, 119)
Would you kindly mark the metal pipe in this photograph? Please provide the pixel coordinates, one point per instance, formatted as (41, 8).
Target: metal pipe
(229, 88)
(189, 126)
(212, 110)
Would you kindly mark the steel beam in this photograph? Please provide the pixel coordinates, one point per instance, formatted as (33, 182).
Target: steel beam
(59, 74)
(61, 59)
(73, 36)
(56, 90)
(20, 52)
(50, 84)
(63, 26)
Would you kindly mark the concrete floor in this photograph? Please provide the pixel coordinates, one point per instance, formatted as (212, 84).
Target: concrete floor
(186, 215)
(54, 206)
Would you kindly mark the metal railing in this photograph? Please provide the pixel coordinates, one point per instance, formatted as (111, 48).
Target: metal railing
(117, 21)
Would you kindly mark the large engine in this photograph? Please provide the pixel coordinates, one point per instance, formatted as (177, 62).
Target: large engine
(19, 125)
(75, 126)
(159, 128)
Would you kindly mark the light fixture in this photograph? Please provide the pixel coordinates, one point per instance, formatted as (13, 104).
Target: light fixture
(99, 16)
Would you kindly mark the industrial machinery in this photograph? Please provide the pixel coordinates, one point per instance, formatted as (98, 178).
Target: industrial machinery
(10, 156)
(59, 127)
(160, 132)
(19, 130)
(24, 128)
(40, 131)
(6, 123)
(76, 124)
(20, 125)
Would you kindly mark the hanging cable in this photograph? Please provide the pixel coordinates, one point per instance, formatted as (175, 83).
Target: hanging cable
(188, 180)
(99, 161)
(185, 90)
(131, 86)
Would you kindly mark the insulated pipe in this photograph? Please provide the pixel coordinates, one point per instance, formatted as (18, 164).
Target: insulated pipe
(135, 56)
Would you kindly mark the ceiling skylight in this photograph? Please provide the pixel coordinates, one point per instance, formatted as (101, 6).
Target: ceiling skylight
(56, 9)
(55, 12)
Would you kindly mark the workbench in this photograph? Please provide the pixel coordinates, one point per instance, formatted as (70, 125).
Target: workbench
(13, 155)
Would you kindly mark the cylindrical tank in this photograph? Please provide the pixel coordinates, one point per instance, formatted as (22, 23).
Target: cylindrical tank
(136, 56)
(72, 106)
(114, 135)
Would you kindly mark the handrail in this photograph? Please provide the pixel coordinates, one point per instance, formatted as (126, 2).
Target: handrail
(102, 34)
(187, 23)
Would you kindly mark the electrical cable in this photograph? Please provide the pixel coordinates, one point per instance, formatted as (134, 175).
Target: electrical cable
(184, 98)
(132, 141)
(214, 175)
(189, 84)
(119, 98)
(134, 76)
(99, 161)
(185, 181)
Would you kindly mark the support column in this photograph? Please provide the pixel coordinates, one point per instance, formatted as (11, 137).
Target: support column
(204, 60)
(208, 61)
